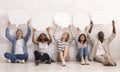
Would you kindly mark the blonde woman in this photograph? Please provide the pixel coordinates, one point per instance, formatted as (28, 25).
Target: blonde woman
(63, 46)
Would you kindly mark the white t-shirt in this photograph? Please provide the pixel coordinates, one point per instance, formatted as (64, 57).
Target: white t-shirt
(82, 46)
(100, 49)
(19, 47)
(43, 47)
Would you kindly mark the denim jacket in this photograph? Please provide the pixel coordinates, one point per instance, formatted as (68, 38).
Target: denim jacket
(14, 40)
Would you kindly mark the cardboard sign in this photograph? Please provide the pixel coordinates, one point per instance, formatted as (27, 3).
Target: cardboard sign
(18, 16)
(41, 20)
(102, 17)
(62, 19)
(81, 20)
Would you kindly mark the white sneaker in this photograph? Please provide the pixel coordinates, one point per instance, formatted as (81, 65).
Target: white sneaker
(86, 62)
(82, 62)
(9, 61)
(22, 61)
(63, 63)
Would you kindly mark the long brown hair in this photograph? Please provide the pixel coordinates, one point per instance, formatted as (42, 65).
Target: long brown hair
(80, 36)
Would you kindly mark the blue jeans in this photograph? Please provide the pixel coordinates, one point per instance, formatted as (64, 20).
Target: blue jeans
(83, 52)
(16, 57)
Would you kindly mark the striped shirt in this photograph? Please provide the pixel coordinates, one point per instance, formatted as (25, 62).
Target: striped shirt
(61, 45)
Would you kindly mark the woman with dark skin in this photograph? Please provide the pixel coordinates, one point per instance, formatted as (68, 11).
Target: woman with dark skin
(43, 42)
(100, 51)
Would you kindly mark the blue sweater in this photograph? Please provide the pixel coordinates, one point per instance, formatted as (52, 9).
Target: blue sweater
(14, 40)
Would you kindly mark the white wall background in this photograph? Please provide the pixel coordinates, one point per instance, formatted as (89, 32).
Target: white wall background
(50, 7)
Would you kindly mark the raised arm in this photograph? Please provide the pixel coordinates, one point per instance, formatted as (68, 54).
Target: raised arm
(71, 30)
(78, 29)
(112, 36)
(93, 39)
(91, 26)
(8, 36)
(114, 29)
(48, 30)
(73, 35)
(33, 37)
(27, 36)
(56, 27)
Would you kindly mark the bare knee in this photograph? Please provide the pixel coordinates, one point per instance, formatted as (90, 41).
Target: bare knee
(66, 47)
(67, 59)
(59, 56)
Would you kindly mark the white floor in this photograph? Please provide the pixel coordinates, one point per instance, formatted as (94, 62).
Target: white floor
(72, 66)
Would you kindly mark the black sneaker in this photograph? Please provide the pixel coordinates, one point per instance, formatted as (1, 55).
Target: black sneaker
(37, 62)
(52, 60)
(115, 64)
(48, 62)
(109, 64)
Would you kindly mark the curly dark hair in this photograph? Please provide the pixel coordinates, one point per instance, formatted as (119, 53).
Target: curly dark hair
(46, 38)
(80, 36)
(39, 39)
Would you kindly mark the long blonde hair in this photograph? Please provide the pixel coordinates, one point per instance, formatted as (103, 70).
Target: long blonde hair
(67, 36)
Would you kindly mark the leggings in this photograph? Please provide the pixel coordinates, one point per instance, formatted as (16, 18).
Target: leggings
(41, 57)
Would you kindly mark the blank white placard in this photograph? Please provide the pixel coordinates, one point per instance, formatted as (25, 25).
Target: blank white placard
(41, 20)
(102, 17)
(62, 19)
(115, 15)
(19, 16)
(81, 20)
(3, 12)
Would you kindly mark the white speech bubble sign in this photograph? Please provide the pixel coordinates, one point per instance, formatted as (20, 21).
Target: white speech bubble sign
(19, 16)
(41, 20)
(62, 19)
(101, 17)
(82, 20)
(115, 15)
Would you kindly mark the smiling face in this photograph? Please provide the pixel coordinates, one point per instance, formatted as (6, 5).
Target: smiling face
(42, 37)
(19, 33)
(65, 36)
(101, 35)
(82, 37)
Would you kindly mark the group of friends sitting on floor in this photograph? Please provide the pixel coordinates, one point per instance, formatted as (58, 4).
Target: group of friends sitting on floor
(99, 51)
